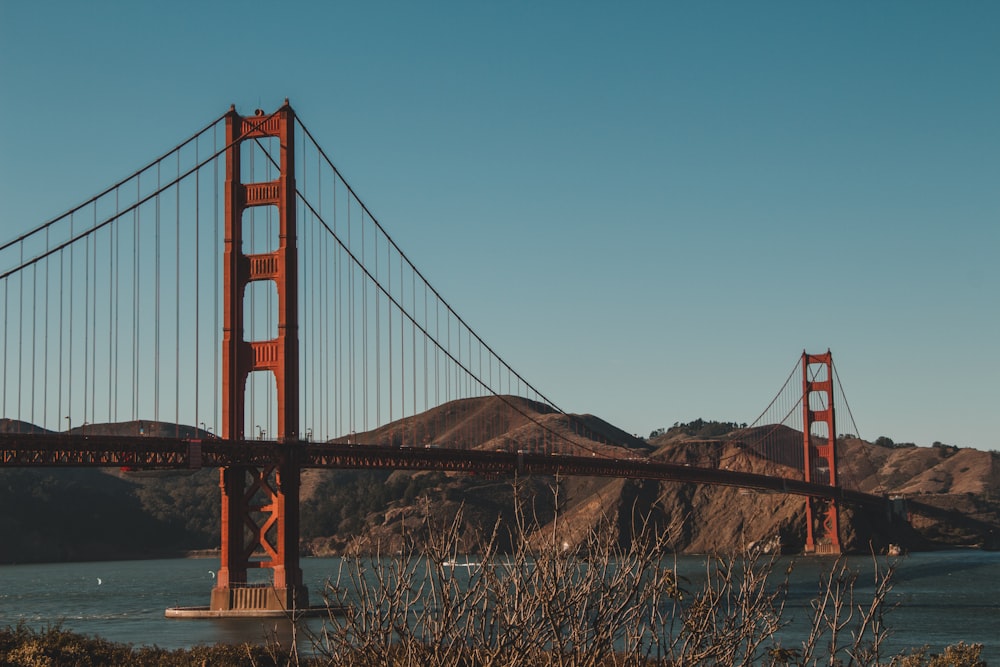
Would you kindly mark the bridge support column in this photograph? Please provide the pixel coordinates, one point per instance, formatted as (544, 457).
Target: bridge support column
(260, 507)
(822, 518)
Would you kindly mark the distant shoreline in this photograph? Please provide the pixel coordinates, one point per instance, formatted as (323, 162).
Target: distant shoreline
(203, 553)
(193, 554)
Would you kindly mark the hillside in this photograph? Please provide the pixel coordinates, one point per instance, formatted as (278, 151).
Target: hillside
(92, 514)
(963, 485)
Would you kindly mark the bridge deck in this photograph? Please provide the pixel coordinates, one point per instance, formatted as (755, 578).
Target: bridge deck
(30, 450)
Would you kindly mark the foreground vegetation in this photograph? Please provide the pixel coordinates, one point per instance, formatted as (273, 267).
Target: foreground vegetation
(55, 647)
(590, 602)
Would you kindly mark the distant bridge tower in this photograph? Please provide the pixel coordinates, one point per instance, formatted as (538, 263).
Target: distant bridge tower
(822, 520)
(260, 507)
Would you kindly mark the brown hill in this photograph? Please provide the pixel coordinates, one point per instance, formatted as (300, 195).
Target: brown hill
(701, 518)
(504, 423)
(963, 484)
(491, 423)
(16, 426)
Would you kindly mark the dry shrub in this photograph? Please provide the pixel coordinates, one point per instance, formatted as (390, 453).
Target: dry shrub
(589, 604)
(22, 646)
(956, 655)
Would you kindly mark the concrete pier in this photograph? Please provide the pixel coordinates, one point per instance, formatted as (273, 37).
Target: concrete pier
(208, 612)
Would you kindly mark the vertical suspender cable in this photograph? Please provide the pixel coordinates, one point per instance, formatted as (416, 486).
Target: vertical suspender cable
(329, 304)
(156, 287)
(325, 331)
(45, 346)
(93, 337)
(59, 384)
(437, 352)
(400, 363)
(69, 367)
(137, 246)
(322, 338)
(88, 310)
(315, 291)
(364, 333)
(388, 262)
(350, 323)
(113, 311)
(401, 299)
(448, 362)
(197, 286)
(34, 336)
(311, 292)
(303, 296)
(378, 343)
(305, 337)
(86, 324)
(305, 323)
(334, 351)
(322, 334)
(20, 336)
(320, 311)
(6, 340)
(314, 363)
(307, 377)
(426, 328)
(342, 331)
(177, 302)
(341, 327)
(413, 341)
(216, 272)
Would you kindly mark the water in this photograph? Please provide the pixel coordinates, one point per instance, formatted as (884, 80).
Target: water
(942, 598)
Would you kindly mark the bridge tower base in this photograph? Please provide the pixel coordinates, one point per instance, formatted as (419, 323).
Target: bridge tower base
(822, 516)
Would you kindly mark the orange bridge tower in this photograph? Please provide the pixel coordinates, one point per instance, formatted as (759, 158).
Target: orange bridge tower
(822, 521)
(260, 507)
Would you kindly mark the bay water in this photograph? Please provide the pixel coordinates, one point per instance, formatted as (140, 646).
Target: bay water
(939, 598)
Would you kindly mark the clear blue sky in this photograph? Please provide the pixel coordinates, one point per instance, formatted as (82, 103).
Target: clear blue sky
(649, 209)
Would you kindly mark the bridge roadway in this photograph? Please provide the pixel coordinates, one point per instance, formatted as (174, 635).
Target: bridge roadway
(143, 453)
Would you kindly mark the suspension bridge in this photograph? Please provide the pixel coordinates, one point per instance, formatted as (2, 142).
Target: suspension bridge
(234, 304)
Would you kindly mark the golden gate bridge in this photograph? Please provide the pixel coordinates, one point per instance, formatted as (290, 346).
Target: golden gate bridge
(234, 304)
